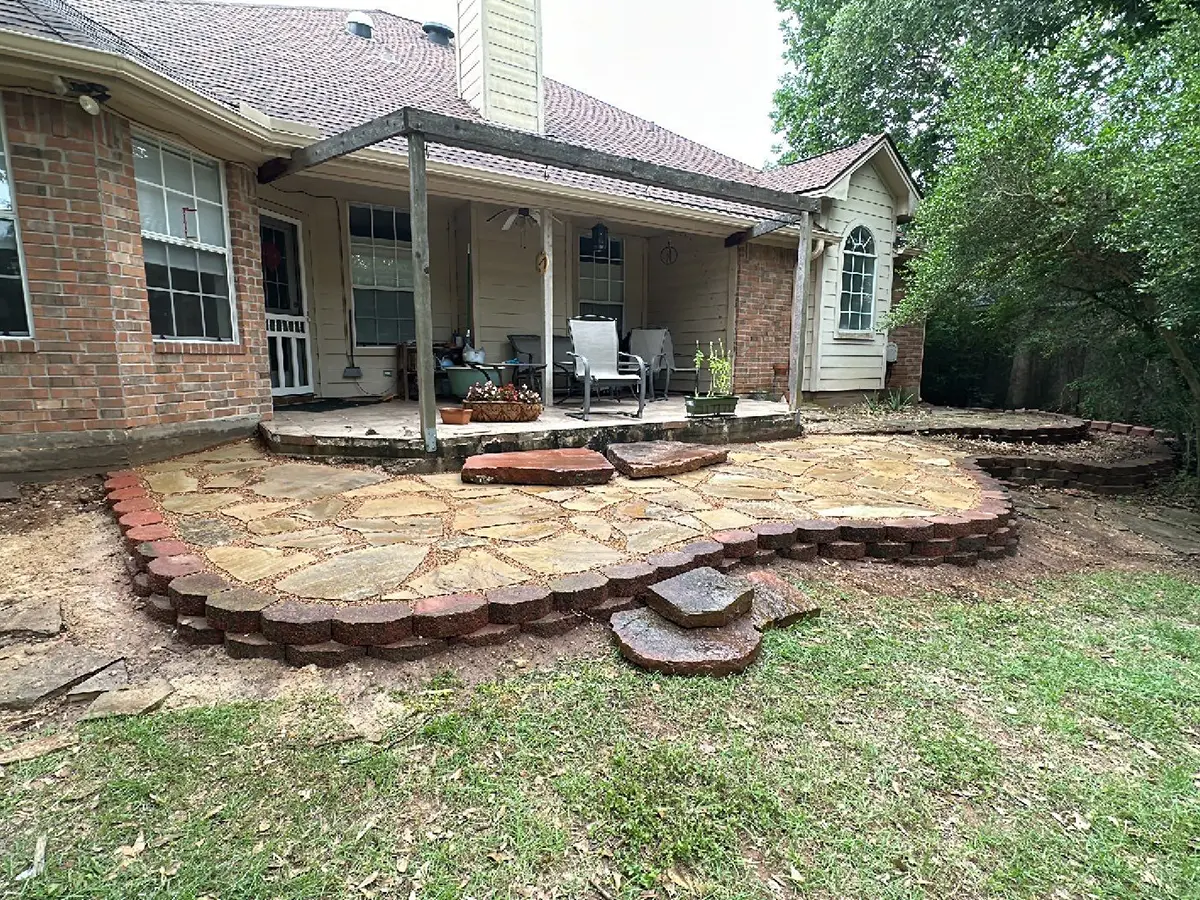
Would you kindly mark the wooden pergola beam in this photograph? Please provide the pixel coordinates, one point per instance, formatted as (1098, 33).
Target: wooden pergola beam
(755, 231)
(468, 135)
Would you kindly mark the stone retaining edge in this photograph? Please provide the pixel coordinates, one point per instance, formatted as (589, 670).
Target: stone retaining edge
(179, 592)
(1120, 477)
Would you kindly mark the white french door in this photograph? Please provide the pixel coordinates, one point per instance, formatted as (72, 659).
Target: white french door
(289, 343)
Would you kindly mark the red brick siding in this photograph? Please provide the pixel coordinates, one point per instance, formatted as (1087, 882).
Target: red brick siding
(763, 311)
(92, 363)
(905, 372)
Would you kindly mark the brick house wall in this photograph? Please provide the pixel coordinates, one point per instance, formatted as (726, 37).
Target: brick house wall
(763, 311)
(92, 366)
(905, 373)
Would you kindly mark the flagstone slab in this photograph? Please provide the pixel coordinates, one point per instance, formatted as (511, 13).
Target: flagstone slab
(418, 528)
(724, 519)
(301, 481)
(589, 503)
(683, 499)
(389, 507)
(28, 676)
(647, 459)
(701, 598)
(388, 489)
(239, 451)
(327, 538)
(473, 571)
(508, 508)
(207, 532)
(563, 555)
(41, 617)
(134, 700)
(177, 482)
(249, 564)
(114, 677)
(648, 640)
(794, 467)
(356, 575)
(276, 525)
(234, 480)
(523, 532)
(323, 510)
(593, 526)
(237, 465)
(368, 526)
(735, 491)
(646, 509)
(566, 467)
(647, 536)
(245, 512)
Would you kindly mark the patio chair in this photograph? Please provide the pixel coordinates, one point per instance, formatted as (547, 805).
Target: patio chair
(598, 358)
(657, 348)
(528, 349)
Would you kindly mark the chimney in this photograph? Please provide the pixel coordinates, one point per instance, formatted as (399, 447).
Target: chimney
(500, 61)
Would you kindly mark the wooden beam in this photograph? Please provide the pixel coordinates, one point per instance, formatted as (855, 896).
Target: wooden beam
(741, 237)
(548, 308)
(799, 313)
(490, 139)
(422, 293)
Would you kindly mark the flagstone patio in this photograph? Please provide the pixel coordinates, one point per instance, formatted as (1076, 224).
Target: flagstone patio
(345, 533)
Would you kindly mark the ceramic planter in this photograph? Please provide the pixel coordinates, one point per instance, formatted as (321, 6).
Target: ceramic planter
(455, 415)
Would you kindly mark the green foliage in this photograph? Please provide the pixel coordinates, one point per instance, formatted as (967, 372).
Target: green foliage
(892, 401)
(720, 368)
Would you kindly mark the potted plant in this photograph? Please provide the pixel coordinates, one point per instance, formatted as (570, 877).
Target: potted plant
(490, 402)
(719, 401)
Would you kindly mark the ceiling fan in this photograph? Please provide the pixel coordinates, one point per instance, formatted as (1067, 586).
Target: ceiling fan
(523, 214)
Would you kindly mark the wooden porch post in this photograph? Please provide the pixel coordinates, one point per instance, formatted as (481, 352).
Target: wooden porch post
(799, 313)
(548, 308)
(422, 301)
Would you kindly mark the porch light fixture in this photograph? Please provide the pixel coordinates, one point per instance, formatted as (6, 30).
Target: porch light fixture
(599, 239)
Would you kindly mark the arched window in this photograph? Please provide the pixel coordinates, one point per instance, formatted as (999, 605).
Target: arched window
(857, 308)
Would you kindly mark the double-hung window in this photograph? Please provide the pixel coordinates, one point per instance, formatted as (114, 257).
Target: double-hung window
(602, 280)
(14, 301)
(857, 308)
(381, 275)
(185, 241)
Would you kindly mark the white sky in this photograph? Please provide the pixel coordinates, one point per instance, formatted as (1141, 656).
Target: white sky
(703, 68)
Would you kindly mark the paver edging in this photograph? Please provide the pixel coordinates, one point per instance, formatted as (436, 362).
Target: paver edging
(1116, 477)
(302, 632)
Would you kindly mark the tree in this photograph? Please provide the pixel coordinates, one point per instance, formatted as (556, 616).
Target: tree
(1070, 206)
(865, 66)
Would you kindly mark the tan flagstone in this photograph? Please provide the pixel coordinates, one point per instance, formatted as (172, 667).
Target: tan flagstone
(322, 510)
(642, 509)
(325, 538)
(240, 450)
(590, 503)
(388, 507)
(683, 499)
(510, 508)
(368, 526)
(356, 575)
(452, 481)
(745, 456)
(949, 500)
(691, 479)
(690, 521)
(402, 594)
(646, 485)
(238, 465)
(418, 529)
(405, 485)
(234, 480)
(647, 536)
(474, 570)
(193, 504)
(521, 532)
(738, 492)
(276, 525)
(255, 563)
(306, 481)
(892, 467)
(721, 519)
(829, 472)
(593, 526)
(563, 554)
(245, 512)
(177, 482)
(882, 482)
(937, 461)
(795, 467)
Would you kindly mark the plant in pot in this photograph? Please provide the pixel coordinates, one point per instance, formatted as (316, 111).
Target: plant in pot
(491, 402)
(719, 401)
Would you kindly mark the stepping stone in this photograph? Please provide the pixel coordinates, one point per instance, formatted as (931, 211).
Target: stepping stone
(777, 602)
(327, 537)
(650, 459)
(520, 533)
(247, 512)
(568, 467)
(9, 492)
(356, 575)
(561, 555)
(31, 618)
(701, 598)
(303, 481)
(130, 701)
(207, 532)
(648, 640)
(114, 677)
(172, 483)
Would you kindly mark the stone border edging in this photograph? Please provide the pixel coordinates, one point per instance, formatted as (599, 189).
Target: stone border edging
(1119, 477)
(206, 609)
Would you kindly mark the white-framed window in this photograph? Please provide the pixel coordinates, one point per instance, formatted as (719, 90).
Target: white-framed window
(185, 240)
(16, 318)
(381, 275)
(602, 280)
(856, 312)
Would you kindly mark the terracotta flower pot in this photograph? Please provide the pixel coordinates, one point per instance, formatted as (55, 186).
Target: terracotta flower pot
(455, 415)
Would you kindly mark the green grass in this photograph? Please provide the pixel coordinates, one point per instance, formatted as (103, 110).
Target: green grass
(1044, 742)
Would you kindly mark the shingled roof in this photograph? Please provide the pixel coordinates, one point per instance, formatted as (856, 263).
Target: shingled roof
(299, 63)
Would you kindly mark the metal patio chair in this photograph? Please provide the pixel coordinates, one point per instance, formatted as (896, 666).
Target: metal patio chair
(528, 349)
(598, 359)
(656, 347)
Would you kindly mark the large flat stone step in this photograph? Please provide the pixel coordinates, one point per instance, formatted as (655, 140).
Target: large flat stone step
(567, 467)
(651, 459)
(701, 598)
(648, 640)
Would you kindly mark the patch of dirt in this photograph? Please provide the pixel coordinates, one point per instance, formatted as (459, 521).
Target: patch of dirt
(859, 418)
(42, 505)
(1096, 447)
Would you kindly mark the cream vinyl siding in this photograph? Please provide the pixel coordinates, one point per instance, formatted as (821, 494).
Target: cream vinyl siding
(327, 293)
(856, 363)
(691, 297)
(500, 63)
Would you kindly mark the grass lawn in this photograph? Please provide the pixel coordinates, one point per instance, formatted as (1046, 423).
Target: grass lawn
(1042, 743)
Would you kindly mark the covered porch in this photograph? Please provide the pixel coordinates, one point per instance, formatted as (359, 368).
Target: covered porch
(392, 430)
